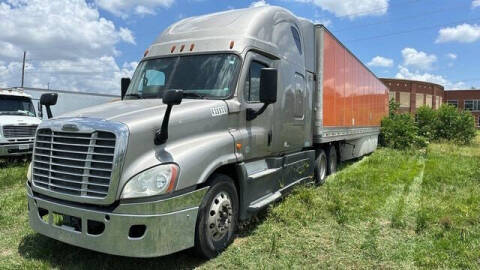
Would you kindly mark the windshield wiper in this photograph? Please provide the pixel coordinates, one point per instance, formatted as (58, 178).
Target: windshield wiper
(134, 95)
(12, 113)
(193, 94)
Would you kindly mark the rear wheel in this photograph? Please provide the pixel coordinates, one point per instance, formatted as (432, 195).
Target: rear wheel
(332, 159)
(217, 217)
(320, 169)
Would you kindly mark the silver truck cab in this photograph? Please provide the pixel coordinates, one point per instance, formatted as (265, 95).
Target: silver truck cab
(18, 122)
(215, 124)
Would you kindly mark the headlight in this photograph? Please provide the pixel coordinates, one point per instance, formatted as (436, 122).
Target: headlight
(29, 172)
(154, 181)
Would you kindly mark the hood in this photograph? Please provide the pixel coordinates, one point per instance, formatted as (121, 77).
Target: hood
(18, 120)
(131, 111)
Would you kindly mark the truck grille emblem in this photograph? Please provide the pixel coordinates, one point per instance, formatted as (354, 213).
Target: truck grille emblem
(70, 127)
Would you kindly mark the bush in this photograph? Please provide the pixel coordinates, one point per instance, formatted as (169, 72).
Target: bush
(400, 132)
(393, 107)
(466, 131)
(427, 119)
(454, 125)
(447, 119)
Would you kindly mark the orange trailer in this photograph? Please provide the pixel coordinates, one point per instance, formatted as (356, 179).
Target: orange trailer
(351, 99)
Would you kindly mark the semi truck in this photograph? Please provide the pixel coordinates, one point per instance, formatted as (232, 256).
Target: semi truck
(18, 122)
(224, 115)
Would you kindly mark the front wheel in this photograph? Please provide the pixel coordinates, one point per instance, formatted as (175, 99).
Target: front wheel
(217, 217)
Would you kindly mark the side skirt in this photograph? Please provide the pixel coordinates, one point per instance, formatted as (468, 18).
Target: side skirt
(267, 180)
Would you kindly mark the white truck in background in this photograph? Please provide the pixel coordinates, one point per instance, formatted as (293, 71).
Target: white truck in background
(18, 123)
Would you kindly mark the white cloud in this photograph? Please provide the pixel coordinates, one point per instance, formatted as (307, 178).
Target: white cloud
(464, 33)
(418, 59)
(452, 56)
(38, 27)
(123, 8)
(260, 3)
(379, 61)
(126, 35)
(8, 50)
(351, 8)
(475, 3)
(68, 44)
(143, 10)
(405, 73)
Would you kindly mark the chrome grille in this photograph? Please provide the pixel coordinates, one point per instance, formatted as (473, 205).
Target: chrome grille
(11, 131)
(74, 163)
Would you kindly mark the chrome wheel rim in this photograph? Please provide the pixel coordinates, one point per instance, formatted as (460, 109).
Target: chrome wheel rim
(322, 167)
(220, 216)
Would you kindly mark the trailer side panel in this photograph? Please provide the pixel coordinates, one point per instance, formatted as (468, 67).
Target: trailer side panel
(353, 100)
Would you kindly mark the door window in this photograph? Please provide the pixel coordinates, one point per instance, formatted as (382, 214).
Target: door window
(252, 83)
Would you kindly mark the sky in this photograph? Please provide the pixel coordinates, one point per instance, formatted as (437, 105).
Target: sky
(89, 45)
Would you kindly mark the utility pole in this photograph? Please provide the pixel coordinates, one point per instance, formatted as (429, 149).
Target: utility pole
(23, 67)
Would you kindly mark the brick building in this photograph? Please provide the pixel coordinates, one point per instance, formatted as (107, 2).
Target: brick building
(414, 94)
(466, 100)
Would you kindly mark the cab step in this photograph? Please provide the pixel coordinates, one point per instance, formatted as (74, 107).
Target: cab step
(264, 201)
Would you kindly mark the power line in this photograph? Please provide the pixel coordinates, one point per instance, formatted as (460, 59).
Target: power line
(411, 30)
(401, 18)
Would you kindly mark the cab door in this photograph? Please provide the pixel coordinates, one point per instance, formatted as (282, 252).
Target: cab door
(258, 140)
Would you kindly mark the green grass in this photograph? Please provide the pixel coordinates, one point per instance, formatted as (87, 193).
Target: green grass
(391, 209)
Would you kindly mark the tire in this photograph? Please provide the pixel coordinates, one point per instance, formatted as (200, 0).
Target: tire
(332, 159)
(217, 217)
(320, 168)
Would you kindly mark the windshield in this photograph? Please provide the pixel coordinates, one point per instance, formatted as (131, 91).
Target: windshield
(199, 76)
(12, 105)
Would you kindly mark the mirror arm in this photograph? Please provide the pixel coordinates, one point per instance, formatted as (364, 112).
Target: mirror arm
(252, 114)
(161, 135)
(49, 112)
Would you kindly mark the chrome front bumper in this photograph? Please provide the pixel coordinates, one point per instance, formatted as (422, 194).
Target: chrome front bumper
(170, 224)
(13, 149)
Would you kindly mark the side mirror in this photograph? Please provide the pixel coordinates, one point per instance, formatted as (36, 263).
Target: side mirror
(171, 97)
(47, 100)
(124, 86)
(268, 91)
(268, 85)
